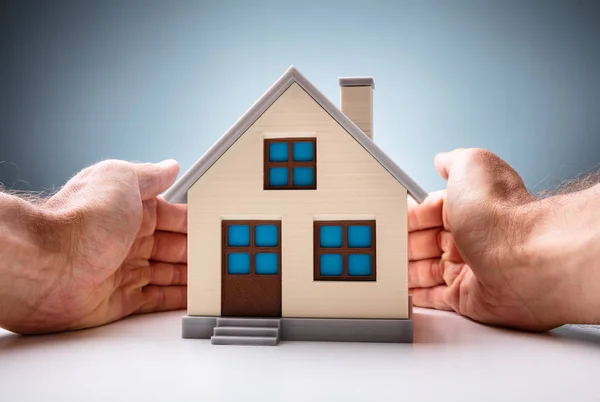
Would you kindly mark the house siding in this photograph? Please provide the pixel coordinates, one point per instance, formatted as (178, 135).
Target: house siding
(350, 183)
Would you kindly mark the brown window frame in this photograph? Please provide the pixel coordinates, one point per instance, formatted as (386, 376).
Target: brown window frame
(290, 164)
(345, 250)
(252, 248)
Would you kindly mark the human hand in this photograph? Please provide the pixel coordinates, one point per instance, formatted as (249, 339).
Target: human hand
(116, 249)
(489, 250)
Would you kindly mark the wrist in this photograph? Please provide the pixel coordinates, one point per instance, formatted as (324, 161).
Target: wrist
(564, 248)
(30, 246)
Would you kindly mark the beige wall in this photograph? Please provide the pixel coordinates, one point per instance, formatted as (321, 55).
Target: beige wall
(349, 181)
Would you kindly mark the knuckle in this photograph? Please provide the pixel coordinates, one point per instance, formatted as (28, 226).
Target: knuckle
(148, 217)
(175, 275)
(110, 164)
(479, 156)
(145, 275)
(153, 297)
(114, 167)
(413, 218)
(183, 296)
(145, 247)
(413, 275)
(503, 181)
(411, 243)
(434, 270)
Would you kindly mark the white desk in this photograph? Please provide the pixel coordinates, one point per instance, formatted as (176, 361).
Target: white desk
(143, 358)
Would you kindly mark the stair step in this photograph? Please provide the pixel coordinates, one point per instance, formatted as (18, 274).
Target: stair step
(244, 340)
(248, 322)
(247, 331)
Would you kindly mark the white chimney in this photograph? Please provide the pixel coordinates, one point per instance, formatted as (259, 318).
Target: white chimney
(357, 101)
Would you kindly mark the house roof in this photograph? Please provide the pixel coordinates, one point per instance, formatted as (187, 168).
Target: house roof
(178, 192)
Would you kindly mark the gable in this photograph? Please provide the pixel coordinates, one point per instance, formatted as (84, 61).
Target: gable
(178, 192)
(344, 168)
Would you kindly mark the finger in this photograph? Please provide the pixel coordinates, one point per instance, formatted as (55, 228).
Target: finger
(154, 178)
(426, 215)
(444, 160)
(430, 297)
(162, 298)
(452, 271)
(165, 274)
(448, 246)
(425, 273)
(463, 286)
(148, 218)
(169, 247)
(134, 277)
(155, 273)
(171, 217)
(424, 244)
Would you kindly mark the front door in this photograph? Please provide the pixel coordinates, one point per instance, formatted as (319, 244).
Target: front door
(251, 269)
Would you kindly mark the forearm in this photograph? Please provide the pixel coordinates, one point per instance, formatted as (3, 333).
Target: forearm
(27, 254)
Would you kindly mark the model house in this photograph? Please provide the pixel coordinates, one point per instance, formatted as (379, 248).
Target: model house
(297, 224)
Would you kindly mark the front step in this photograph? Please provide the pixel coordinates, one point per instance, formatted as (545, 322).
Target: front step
(244, 340)
(246, 331)
(247, 322)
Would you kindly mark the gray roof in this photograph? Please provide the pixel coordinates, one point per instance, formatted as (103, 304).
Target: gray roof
(178, 192)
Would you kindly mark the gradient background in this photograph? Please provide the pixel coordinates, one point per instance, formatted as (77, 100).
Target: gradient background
(146, 81)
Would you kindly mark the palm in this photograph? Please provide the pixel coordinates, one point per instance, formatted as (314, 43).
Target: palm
(129, 252)
(507, 272)
(439, 276)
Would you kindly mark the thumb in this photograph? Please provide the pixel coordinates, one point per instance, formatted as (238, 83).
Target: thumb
(154, 178)
(480, 172)
(443, 161)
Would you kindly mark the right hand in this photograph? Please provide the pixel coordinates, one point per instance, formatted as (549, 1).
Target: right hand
(484, 248)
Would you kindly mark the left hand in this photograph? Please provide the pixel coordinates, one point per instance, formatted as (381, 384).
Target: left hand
(118, 249)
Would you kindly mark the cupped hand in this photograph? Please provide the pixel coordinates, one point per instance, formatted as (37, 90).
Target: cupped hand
(472, 247)
(120, 249)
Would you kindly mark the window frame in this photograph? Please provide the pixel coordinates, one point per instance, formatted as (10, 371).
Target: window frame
(290, 164)
(345, 251)
(251, 249)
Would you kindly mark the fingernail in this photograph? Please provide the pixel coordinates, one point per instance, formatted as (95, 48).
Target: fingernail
(167, 163)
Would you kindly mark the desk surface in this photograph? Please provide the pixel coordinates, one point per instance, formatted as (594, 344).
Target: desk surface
(143, 358)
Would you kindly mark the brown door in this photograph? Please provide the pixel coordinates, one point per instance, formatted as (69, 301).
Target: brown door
(251, 269)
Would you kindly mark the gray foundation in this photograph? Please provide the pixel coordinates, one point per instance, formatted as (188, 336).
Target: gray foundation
(347, 330)
(198, 327)
(252, 331)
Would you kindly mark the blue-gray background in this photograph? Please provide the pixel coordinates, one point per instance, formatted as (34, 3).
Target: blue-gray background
(146, 81)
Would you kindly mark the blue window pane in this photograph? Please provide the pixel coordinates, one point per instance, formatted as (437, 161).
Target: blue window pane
(359, 236)
(238, 235)
(330, 236)
(238, 263)
(303, 152)
(265, 236)
(278, 176)
(266, 264)
(359, 265)
(278, 152)
(303, 176)
(330, 265)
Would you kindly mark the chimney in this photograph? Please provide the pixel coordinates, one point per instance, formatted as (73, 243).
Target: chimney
(357, 101)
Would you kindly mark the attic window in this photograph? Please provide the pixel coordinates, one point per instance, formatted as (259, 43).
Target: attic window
(290, 164)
